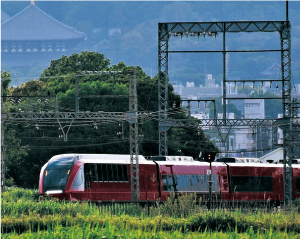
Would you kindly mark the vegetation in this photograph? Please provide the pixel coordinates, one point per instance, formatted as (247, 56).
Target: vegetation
(31, 145)
(25, 215)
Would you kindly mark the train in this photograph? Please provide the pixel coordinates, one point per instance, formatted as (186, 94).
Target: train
(106, 178)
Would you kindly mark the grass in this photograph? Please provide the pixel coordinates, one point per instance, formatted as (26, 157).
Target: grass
(26, 215)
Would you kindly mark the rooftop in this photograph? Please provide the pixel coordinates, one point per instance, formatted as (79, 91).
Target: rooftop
(34, 24)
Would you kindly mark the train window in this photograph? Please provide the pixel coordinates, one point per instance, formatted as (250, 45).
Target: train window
(189, 183)
(120, 171)
(109, 172)
(91, 172)
(112, 172)
(101, 173)
(166, 183)
(251, 183)
(125, 174)
(298, 185)
(79, 180)
(115, 172)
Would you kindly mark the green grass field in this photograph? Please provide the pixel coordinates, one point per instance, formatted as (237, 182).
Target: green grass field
(25, 215)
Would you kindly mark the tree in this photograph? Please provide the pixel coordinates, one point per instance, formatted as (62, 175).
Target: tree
(99, 136)
(14, 151)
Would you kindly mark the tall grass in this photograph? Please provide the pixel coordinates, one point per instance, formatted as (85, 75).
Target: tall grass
(23, 211)
(90, 232)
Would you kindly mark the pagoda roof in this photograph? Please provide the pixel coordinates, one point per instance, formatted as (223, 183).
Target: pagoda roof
(103, 43)
(275, 69)
(4, 16)
(34, 24)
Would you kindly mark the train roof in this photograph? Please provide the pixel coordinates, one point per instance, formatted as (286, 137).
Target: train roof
(255, 165)
(171, 158)
(103, 158)
(192, 163)
(125, 159)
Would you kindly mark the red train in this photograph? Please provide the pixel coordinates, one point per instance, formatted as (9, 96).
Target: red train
(100, 177)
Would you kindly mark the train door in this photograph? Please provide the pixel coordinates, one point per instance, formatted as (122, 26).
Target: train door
(149, 181)
(89, 176)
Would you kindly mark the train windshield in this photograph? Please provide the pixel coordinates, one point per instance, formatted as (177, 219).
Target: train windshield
(56, 175)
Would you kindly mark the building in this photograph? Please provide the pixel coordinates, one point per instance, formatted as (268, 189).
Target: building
(32, 38)
(4, 16)
(254, 109)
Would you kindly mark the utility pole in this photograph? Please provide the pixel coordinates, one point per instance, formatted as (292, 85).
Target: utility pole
(134, 146)
(76, 94)
(2, 150)
(132, 117)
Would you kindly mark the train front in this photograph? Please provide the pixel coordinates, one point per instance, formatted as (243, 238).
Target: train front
(55, 174)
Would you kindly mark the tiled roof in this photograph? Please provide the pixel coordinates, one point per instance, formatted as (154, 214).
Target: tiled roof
(34, 24)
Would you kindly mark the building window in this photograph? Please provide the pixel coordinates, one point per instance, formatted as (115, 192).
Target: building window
(251, 183)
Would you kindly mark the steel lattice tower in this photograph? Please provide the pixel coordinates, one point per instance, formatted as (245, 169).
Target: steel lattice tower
(192, 29)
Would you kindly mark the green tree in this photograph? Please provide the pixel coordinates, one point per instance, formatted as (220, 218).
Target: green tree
(99, 136)
(14, 151)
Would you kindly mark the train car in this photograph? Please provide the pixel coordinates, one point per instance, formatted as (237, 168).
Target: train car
(296, 181)
(255, 182)
(105, 177)
(96, 177)
(192, 177)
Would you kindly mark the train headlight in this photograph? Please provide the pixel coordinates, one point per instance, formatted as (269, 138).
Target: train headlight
(53, 192)
(46, 173)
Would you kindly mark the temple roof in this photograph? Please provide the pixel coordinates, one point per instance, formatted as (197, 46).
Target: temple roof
(4, 16)
(274, 70)
(34, 24)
